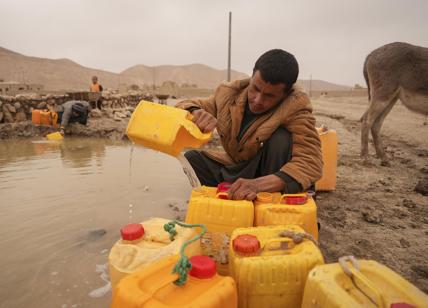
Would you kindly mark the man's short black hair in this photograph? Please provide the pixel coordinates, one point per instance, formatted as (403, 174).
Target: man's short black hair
(278, 66)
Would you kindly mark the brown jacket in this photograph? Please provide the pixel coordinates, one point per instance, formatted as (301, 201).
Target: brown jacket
(294, 113)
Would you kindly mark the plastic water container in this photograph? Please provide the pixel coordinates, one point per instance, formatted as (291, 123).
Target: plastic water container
(54, 136)
(329, 156)
(164, 128)
(153, 287)
(288, 209)
(44, 117)
(352, 283)
(145, 243)
(210, 206)
(270, 265)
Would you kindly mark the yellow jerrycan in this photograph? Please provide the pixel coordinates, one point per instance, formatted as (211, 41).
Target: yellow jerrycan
(288, 209)
(329, 156)
(55, 136)
(143, 244)
(177, 281)
(153, 287)
(164, 128)
(352, 283)
(210, 206)
(270, 265)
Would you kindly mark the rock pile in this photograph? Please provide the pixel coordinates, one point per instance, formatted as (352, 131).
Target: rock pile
(15, 109)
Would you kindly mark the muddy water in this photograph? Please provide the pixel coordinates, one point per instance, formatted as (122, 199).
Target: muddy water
(61, 208)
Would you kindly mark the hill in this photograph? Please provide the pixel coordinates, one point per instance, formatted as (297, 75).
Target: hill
(201, 75)
(64, 74)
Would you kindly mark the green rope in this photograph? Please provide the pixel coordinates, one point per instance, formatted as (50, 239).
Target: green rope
(183, 265)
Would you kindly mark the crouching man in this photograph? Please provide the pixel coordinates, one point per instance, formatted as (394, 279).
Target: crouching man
(72, 112)
(267, 130)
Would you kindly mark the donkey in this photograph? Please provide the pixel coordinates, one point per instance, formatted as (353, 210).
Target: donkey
(393, 71)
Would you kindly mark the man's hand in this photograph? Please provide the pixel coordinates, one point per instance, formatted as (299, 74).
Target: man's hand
(204, 120)
(61, 131)
(247, 189)
(243, 189)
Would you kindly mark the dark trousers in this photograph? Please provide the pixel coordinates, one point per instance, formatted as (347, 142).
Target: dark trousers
(275, 153)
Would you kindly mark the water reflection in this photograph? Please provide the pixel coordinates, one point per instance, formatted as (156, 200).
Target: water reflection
(52, 198)
(79, 153)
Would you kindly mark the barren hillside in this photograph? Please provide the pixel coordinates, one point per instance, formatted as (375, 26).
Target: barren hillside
(64, 74)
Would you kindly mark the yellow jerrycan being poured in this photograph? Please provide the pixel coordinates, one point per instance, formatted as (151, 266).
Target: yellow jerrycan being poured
(145, 243)
(360, 284)
(177, 282)
(288, 209)
(210, 206)
(270, 265)
(164, 128)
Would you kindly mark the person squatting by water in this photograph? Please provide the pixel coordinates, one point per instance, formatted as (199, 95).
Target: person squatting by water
(72, 112)
(267, 130)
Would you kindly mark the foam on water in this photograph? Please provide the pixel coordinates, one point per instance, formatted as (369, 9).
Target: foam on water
(100, 292)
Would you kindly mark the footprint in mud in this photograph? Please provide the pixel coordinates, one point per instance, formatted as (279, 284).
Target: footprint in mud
(422, 153)
(372, 216)
(422, 187)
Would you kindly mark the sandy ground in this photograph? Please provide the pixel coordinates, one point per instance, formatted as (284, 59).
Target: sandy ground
(375, 212)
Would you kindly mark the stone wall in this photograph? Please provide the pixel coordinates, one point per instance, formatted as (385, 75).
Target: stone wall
(15, 109)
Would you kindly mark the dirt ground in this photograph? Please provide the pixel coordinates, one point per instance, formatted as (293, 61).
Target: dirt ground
(375, 212)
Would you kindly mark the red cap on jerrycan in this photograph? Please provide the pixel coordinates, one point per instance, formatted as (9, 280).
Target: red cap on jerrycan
(132, 232)
(295, 200)
(203, 267)
(402, 305)
(246, 244)
(223, 188)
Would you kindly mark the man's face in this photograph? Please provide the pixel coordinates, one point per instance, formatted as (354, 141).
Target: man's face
(263, 96)
(94, 80)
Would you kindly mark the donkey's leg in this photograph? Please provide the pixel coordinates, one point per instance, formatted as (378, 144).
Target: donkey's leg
(375, 109)
(377, 140)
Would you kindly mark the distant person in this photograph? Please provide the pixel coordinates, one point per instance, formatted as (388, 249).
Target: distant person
(267, 130)
(73, 112)
(96, 88)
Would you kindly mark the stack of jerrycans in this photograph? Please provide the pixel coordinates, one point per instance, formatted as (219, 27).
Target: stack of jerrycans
(145, 243)
(353, 283)
(270, 265)
(289, 209)
(210, 206)
(154, 287)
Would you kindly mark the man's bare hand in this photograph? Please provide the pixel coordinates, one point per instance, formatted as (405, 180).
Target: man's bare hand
(247, 189)
(204, 120)
(243, 189)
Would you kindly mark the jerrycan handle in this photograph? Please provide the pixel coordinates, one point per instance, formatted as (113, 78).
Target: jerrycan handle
(357, 277)
(284, 244)
(222, 195)
(190, 116)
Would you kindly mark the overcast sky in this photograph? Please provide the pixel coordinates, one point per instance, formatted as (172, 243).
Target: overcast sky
(330, 39)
